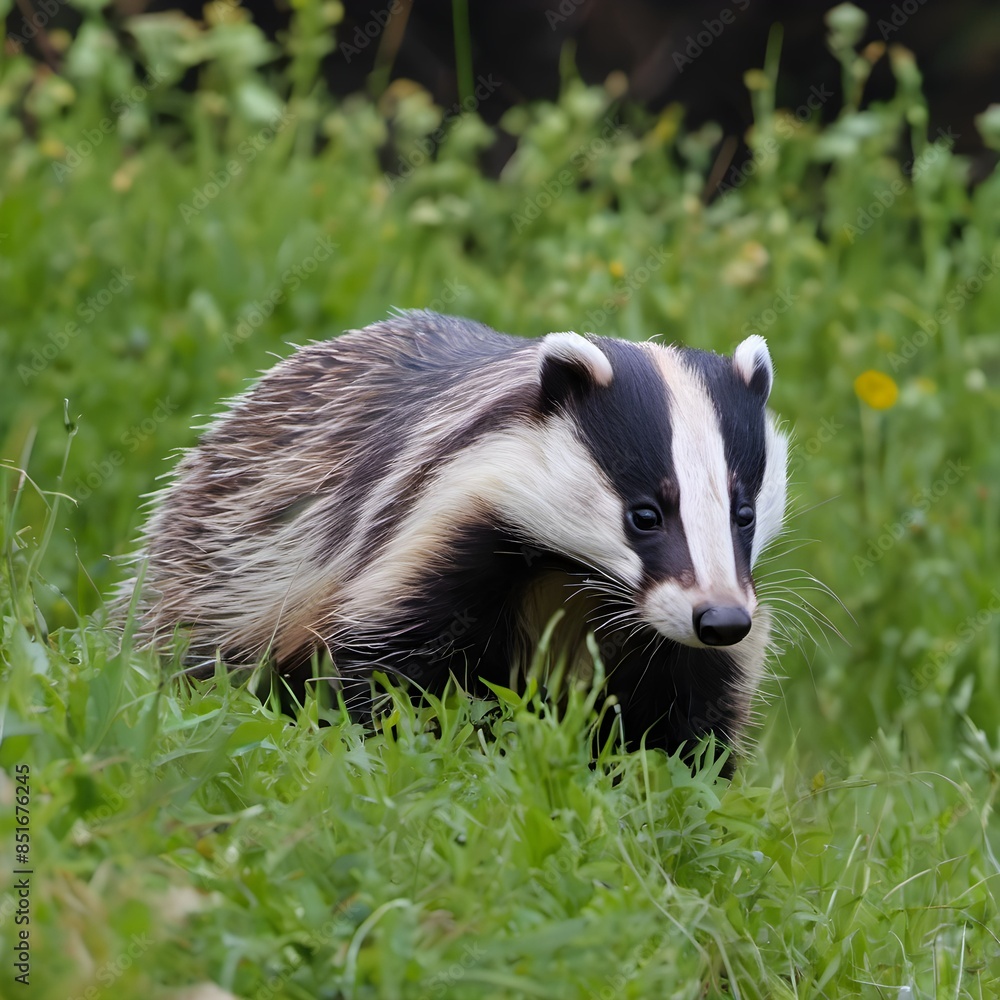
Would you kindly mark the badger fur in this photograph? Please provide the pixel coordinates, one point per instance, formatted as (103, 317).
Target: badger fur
(420, 496)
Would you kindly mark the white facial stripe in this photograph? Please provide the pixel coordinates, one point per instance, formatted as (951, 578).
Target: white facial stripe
(560, 498)
(699, 462)
(771, 502)
(543, 482)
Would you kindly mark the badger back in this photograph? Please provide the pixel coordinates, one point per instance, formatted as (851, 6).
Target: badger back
(294, 488)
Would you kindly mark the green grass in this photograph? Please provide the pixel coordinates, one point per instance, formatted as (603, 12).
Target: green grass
(182, 834)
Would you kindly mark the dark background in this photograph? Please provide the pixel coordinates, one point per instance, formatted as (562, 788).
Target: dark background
(957, 45)
(522, 42)
(527, 44)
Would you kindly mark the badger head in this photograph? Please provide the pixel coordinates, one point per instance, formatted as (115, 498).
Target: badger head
(653, 473)
(663, 472)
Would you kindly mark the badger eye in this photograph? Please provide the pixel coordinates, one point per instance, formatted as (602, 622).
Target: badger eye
(745, 515)
(645, 518)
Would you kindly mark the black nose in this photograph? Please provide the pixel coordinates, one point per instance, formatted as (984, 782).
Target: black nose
(720, 626)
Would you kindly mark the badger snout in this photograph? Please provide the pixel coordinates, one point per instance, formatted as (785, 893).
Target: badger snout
(699, 616)
(721, 625)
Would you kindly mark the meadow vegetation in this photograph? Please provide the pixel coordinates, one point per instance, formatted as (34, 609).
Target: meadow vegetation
(181, 202)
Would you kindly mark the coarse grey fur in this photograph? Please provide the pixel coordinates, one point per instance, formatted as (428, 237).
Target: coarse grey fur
(419, 496)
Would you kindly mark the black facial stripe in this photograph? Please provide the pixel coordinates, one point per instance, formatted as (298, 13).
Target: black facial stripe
(668, 556)
(673, 557)
(742, 543)
(626, 427)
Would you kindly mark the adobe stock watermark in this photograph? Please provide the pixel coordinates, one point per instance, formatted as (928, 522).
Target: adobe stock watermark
(114, 968)
(695, 45)
(814, 444)
(838, 767)
(442, 981)
(93, 137)
(763, 321)
(609, 638)
(446, 642)
(88, 311)
(957, 298)
(365, 34)
(101, 470)
(933, 664)
(35, 20)
(246, 152)
(884, 199)
(451, 291)
(566, 178)
(625, 288)
(785, 127)
(562, 13)
(615, 983)
(424, 146)
(899, 14)
(261, 310)
(923, 500)
(140, 773)
(275, 986)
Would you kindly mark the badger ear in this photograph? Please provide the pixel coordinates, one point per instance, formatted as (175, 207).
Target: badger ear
(753, 363)
(567, 363)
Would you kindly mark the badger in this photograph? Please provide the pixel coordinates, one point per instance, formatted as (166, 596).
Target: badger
(421, 496)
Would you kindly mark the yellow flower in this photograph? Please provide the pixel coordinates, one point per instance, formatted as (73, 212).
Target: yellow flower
(617, 269)
(122, 178)
(52, 148)
(667, 125)
(876, 389)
